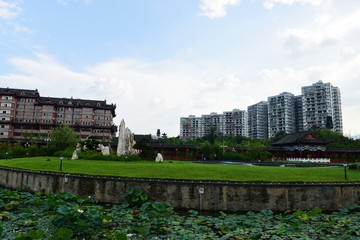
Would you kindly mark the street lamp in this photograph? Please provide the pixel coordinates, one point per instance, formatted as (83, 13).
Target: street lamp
(6, 155)
(61, 159)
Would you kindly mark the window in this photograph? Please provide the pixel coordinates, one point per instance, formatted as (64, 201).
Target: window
(4, 111)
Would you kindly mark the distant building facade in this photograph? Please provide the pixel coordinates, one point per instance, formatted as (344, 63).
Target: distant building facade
(299, 114)
(322, 107)
(235, 123)
(258, 120)
(319, 106)
(191, 127)
(232, 123)
(281, 114)
(25, 114)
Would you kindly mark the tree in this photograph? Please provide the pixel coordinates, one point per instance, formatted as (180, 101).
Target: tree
(211, 137)
(145, 148)
(62, 137)
(211, 151)
(91, 142)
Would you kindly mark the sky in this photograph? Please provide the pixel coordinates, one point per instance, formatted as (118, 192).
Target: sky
(160, 60)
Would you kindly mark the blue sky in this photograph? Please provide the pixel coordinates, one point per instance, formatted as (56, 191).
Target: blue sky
(160, 60)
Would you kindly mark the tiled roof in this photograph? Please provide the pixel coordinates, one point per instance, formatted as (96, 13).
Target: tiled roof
(68, 102)
(19, 92)
(305, 137)
(71, 102)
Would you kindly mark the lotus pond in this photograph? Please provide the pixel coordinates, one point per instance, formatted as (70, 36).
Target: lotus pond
(66, 216)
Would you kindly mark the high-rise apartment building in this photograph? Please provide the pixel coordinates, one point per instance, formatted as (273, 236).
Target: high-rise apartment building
(229, 123)
(258, 120)
(299, 122)
(319, 106)
(322, 107)
(337, 112)
(281, 114)
(25, 114)
(212, 121)
(191, 127)
(235, 123)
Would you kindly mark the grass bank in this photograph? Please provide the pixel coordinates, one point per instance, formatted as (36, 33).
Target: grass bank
(186, 170)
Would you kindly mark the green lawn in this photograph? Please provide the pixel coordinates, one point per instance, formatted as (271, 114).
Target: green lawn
(186, 170)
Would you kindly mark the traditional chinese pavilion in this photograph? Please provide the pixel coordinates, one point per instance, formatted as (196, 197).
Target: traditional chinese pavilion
(301, 146)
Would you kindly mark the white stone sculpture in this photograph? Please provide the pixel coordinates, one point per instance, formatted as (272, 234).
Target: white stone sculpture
(126, 141)
(75, 153)
(105, 151)
(159, 158)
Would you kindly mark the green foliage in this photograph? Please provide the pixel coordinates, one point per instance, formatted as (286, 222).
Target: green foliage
(234, 156)
(220, 147)
(175, 141)
(19, 150)
(211, 137)
(146, 149)
(67, 153)
(62, 137)
(255, 150)
(95, 155)
(68, 216)
(91, 142)
(135, 197)
(211, 151)
(339, 141)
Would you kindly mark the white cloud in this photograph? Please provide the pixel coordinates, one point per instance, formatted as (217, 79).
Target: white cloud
(329, 26)
(155, 95)
(215, 8)
(9, 9)
(62, 2)
(66, 2)
(45, 72)
(271, 3)
(148, 95)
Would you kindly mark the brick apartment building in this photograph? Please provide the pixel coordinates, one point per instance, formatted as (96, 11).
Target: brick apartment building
(25, 115)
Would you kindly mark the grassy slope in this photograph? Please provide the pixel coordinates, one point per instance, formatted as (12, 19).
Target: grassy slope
(186, 170)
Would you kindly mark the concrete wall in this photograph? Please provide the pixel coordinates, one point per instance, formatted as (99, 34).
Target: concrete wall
(208, 196)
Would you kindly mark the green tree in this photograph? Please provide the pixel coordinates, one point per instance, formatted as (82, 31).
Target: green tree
(62, 137)
(211, 137)
(338, 139)
(91, 142)
(146, 149)
(255, 150)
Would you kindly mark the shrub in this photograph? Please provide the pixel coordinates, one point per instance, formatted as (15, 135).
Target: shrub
(94, 155)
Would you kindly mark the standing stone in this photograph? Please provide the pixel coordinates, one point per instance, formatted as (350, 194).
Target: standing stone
(159, 158)
(105, 151)
(126, 140)
(121, 142)
(75, 154)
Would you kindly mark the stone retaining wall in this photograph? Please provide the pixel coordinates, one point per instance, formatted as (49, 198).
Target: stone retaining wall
(199, 195)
